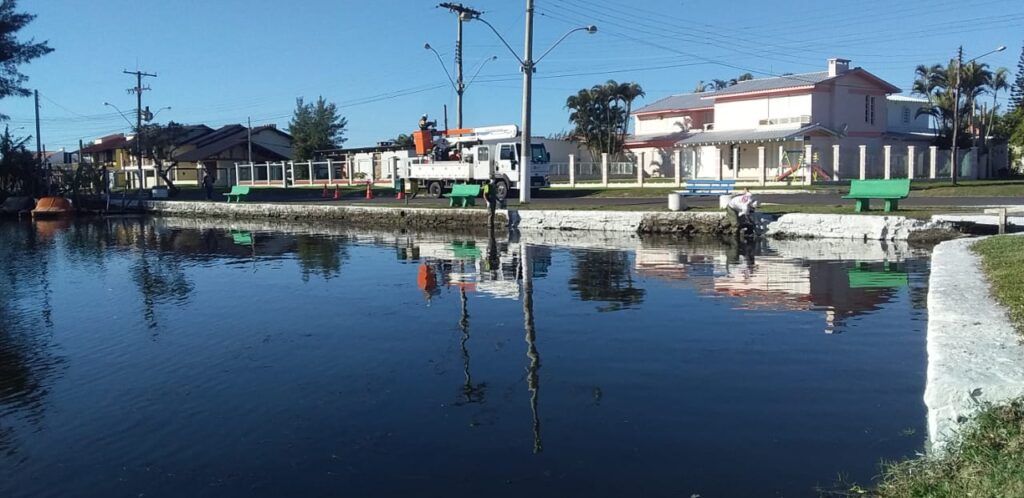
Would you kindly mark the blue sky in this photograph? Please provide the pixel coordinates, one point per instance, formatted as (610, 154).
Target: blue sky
(223, 61)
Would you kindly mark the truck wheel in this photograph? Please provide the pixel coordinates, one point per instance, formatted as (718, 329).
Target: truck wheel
(435, 189)
(500, 190)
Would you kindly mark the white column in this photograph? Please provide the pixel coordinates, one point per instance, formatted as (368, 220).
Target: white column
(604, 169)
(310, 167)
(782, 154)
(236, 173)
(863, 162)
(330, 172)
(975, 170)
(762, 171)
(735, 151)
(808, 159)
(679, 167)
(718, 172)
(933, 161)
(572, 170)
(693, 162)
(640, 171)
(887, 161)
(348, 168)
(835, 162)
(910, 161)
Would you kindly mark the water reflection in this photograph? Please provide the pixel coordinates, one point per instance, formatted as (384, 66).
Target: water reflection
(360, 364)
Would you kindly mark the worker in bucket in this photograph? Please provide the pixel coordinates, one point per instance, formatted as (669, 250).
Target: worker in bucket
(742, 206)
(426, 124)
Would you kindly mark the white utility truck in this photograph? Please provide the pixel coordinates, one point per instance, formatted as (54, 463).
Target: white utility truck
(472, 155)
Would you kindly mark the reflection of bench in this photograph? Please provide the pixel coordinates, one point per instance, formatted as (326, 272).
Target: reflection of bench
(702, 188)
(465, 250)
(891, 191)
(869, 279)
(241, 237)
(463, 193)
(239, 192)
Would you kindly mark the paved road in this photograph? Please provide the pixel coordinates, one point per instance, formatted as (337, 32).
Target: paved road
(564, 200)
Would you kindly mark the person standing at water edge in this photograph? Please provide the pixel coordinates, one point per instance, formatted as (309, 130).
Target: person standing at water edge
(491, 200)
(742, 207)
(208, 183)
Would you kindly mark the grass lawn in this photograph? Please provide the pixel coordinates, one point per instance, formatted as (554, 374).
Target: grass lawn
(970, 188)
(1003, 261)
(919, 212)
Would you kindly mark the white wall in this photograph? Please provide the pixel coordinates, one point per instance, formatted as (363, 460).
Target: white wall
(746, 114)
(903, 117)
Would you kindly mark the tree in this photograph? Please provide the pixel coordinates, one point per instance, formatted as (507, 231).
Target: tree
(159, 145)
(600, 115)
(14, 53)
(17, 166)
(998, 80)
(1017, 92)
(938, 83)
(315, 127)
(717, 84)
(403, 140)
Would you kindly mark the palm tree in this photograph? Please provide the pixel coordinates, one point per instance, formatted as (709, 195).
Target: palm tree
(627, 93)
(701, 87)
(974, 78)
(998, 80)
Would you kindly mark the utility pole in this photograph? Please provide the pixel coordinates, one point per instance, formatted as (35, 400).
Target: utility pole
(954, 162)
(39, 143)
(464, 14)
(525, 154)
(249, 138)
(138, 122)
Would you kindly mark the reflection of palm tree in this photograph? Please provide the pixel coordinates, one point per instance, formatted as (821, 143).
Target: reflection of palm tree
(319, 255)
(605, 276)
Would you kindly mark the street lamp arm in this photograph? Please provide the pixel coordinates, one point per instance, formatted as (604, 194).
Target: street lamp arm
(513, 52)
(589, 29)
(439, 59)
(121, 113)
(481, 68)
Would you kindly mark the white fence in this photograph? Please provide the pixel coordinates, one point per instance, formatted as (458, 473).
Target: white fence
(295, 174)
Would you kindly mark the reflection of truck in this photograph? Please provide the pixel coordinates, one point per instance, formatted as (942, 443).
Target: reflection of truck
(472, 156)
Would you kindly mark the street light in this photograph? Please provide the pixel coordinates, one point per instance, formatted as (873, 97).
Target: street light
(121, 113)
(528, 66)
(956, 107)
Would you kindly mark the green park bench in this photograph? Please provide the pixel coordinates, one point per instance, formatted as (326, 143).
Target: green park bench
(239, 192)
(463, 193)
(891, 191)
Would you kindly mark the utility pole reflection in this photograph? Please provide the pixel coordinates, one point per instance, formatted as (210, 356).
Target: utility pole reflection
(532, 370)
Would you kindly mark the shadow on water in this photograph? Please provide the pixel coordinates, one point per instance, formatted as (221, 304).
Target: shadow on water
(682, 327)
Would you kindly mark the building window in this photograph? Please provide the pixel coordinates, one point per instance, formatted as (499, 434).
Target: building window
(872, 109)
(906, 114)
(867, 108)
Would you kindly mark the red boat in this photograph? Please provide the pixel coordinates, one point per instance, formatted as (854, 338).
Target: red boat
(53, 207)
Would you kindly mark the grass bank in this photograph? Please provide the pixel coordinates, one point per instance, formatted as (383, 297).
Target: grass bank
(1003, 261)
(987, 459)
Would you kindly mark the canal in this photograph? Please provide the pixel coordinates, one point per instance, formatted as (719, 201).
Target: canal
(173, 357)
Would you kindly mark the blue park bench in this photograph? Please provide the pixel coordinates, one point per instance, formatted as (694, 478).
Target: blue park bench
(705, 188)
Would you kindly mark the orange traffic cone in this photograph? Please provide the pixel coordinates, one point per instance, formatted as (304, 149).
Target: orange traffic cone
(323, 194)
(401, 194)
(369, 190)
(337, 193)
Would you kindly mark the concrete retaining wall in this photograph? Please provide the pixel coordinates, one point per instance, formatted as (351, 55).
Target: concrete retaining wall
(858, 227)
(623, 221)
(418, 218)
(974, 354)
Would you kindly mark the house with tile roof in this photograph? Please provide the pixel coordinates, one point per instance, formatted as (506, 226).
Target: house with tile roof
(219, 150)
(765, 129)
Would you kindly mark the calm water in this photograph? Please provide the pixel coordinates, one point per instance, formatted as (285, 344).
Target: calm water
(167, 358)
